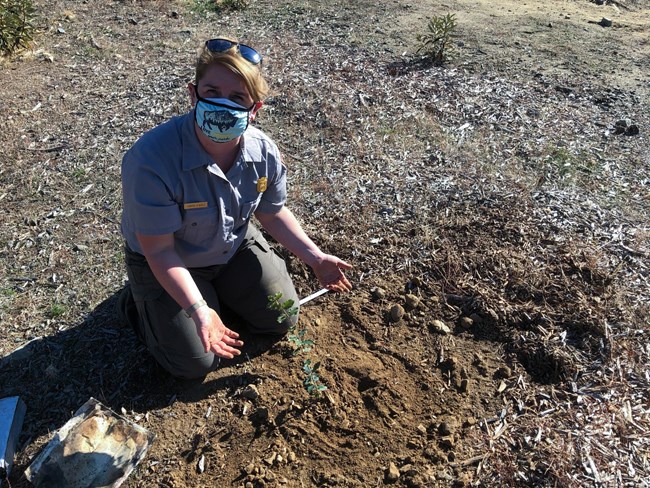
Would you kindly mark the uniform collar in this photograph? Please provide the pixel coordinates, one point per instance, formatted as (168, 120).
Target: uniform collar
(194, 156)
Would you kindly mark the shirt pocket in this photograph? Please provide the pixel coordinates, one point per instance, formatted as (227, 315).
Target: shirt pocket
(200, 225)
(246, 210)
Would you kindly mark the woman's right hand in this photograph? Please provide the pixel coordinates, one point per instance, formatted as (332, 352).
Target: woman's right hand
(215, 336)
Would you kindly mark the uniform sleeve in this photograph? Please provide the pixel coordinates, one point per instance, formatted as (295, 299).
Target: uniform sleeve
(149, 206)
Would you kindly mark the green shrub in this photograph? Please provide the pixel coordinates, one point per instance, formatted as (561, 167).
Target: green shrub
(16, 24)
(312, 381)
(235, 4)
(204, 6)
(56, 310)
(435, 44)
(287, 309)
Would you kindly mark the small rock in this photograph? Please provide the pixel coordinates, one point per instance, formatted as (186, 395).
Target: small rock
(632, 130)
(463, 387)
(392, 473)
(251, 392)
(605, 22)
(396, 313)
(620, 126)
(476, 318)
(378, 293)
(408, 470)
(466, 322)
(503, 372)
(470, 422)
(291, 457)
(271, 459)
(260, 415)
(449, 364)
(440, 327)
(457, 300)
(249, 469)
(422, 429)
(447, 442)
(412, 301)
(414, 444)
(447, 427)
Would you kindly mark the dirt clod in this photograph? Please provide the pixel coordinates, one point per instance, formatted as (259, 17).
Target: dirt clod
(396, 313)
(392, 473)
(412, 301)
(439, 327)
(466, 322)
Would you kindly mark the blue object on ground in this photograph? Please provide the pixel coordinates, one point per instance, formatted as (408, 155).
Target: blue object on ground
(12, 414)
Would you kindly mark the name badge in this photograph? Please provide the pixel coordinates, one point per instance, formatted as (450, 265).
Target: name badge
(262, 183)
(192, 205)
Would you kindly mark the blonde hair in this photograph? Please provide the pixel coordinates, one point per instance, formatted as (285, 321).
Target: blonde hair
(231, 59)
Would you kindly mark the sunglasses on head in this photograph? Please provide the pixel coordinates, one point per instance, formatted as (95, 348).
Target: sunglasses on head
(222, 45)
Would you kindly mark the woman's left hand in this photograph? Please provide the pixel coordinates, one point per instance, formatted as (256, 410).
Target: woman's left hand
(329, 271)
(285, 229)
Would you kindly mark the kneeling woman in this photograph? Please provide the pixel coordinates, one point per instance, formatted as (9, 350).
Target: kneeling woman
(190, 188)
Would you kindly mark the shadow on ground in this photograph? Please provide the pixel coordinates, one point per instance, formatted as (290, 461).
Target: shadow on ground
(100, 358)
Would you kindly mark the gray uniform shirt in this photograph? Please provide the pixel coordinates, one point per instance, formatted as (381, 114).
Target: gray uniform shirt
(171, 185)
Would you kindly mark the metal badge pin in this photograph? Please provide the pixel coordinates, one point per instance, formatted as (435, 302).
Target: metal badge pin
(262, 184)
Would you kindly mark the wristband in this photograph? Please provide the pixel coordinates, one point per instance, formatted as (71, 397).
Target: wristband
(190, 310)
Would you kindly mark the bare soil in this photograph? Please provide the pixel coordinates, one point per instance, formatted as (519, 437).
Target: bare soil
(495, 208)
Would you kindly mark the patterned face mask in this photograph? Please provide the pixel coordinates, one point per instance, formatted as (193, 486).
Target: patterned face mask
(221, 119)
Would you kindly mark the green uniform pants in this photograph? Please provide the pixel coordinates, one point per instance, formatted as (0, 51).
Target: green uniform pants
(243, 285)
